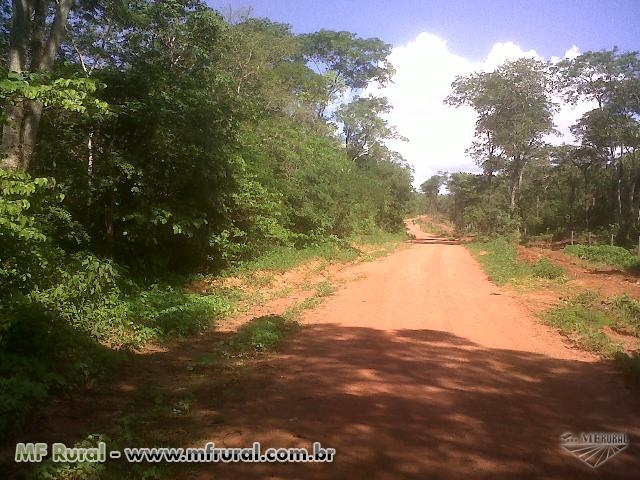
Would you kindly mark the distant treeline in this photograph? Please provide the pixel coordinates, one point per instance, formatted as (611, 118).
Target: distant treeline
(527, 183)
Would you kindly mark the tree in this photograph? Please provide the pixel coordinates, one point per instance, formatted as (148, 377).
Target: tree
(514, 113)
(35, 37)
(431, 188)
(611, 131)
(364, 129)
(348, 62)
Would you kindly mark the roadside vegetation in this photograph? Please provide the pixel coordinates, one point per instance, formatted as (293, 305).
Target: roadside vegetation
(530, 191)
(152, 408)
(585, 318)
(226, 362)
(605, 256)
(499, 257)
(607, 326)
(152, 145)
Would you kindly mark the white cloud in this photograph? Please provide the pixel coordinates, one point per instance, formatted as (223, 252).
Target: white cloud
(438, 134)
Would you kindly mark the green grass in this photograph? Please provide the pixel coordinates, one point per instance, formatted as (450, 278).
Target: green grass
(543, 268)
(605, 255)
(627, 313)
(499, 258)
(333, 250)
(583, 317)
(292, 313)
(150, 409)
(285, 258)
(582, 320)
(325, 288)
(58, 343)
(262, 334)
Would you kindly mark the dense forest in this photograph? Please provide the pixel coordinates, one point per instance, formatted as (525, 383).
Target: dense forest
(529, 186)
(144, 140)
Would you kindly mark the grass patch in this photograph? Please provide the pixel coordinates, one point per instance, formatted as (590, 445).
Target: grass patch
(59, 339)
(285, 258)
(332, 250)
(605, 255)
(544, 268)
(581, 318)
(628, 364)
(261, 334)
(379, 238)
(325, 288)
(499, 258)
(627, 314)
(151, 409)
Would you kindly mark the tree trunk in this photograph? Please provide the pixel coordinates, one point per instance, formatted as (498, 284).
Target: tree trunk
(20, 133)
(619, 193)
(11, 144)
(587, 197)
(516, 184)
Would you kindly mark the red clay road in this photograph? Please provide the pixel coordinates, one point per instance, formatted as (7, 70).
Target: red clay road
(420, 368)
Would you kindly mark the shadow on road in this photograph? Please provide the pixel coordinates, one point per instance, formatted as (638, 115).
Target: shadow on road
(422, 404)
(409, 404)
(435, 241)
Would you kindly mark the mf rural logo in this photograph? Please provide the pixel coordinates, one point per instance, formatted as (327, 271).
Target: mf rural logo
(594, 448)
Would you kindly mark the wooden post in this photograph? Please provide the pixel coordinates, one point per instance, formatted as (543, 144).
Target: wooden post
(612, 239)
(639, 246)
(571, 237)
(589, 238)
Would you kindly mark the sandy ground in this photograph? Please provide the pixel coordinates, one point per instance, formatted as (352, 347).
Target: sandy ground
(417, 367)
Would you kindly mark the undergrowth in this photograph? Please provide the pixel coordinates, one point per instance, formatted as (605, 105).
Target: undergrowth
(584, 317)
(605, 255)
(499, 258)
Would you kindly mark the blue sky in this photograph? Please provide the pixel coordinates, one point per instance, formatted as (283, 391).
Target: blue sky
(435, 40)
(470, 27)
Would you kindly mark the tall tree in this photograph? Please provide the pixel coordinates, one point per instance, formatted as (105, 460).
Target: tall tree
(364, 127)
(611, 130)
(347, 62)
(37, 29)
(514, 113)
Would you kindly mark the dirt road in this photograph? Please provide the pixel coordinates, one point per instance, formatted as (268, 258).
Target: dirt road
(421, 368)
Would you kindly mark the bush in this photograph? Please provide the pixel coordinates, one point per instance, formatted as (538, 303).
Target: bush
(43, 355)
(582, 320)
(627, 312)
(491, 221)
(543, 268)
(605, 254)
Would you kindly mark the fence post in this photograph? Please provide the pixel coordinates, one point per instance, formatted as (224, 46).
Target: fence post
(571, 237)
(639, 246)
(589, 238)
(612, 239)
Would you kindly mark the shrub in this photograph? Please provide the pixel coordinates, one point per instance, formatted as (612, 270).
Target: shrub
(605, 254)
(543, 268)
